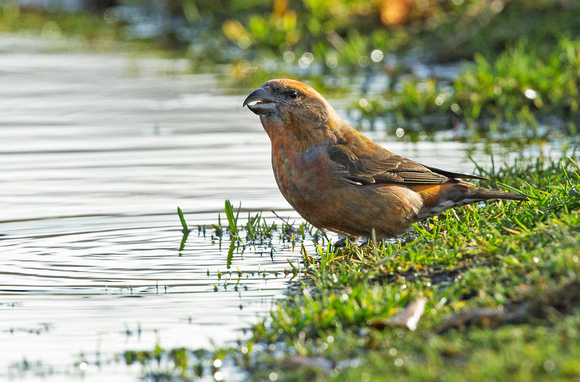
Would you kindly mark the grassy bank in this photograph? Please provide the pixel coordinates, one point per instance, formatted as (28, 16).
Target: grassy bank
(501, 286)
(482, 292)
(521, 95)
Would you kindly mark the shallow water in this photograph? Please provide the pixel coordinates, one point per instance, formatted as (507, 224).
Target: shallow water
(96, 153)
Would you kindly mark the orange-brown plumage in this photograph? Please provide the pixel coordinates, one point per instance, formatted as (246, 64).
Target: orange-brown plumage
(338, 179)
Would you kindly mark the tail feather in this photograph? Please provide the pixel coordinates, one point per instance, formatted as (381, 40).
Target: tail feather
(481, 194)
(444, 197)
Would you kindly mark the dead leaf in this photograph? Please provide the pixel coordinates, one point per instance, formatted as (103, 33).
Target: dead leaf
(409, 317)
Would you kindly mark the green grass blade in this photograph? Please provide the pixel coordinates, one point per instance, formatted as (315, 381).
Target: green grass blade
(232, 220)
(183, 222)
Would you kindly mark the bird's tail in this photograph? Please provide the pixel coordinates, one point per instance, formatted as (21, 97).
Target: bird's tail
(480, 194)
(449, 196)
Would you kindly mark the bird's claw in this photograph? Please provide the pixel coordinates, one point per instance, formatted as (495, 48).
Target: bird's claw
(347, 241)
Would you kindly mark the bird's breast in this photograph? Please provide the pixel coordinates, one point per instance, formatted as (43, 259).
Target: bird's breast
(303, 176)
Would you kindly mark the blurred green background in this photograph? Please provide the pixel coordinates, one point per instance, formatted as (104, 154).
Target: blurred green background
(506, 70)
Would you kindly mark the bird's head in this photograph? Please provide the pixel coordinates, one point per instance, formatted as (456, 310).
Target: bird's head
(289, 106)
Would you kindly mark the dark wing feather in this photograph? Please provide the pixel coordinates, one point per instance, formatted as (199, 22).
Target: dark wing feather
(457, 175)
(385, 167)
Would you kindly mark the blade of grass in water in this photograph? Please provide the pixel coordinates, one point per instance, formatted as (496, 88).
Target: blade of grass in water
(183, 222)
(232, 220)
(186, 230)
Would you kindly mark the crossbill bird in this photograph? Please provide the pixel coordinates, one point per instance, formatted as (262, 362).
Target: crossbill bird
(339, 180)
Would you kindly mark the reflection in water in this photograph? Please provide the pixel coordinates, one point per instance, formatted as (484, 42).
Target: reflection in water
(97, 152)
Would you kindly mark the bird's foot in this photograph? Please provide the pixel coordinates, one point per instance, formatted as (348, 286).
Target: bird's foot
(345, 241)
(369, 241)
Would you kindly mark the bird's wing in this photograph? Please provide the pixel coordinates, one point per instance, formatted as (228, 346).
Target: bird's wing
(455, 175)
(363, 161)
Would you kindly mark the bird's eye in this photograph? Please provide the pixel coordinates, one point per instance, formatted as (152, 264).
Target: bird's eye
(293, 94)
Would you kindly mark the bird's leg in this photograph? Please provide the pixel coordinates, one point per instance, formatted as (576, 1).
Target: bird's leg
(369, 241)
(342, 242)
